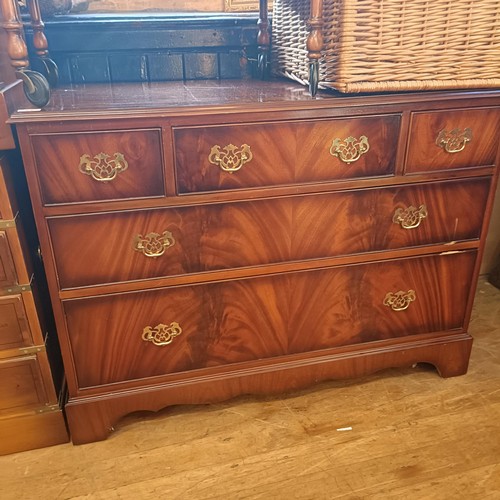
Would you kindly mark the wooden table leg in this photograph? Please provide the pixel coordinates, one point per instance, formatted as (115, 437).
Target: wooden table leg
(36, 87)
(263, 40)
(48, 67)
(16, 46)
(315, 44)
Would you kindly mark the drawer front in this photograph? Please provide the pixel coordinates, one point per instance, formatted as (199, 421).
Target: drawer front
(94, 166)
(7, 269)
(21, 384)
(447, 140)
(14, 326)
(242, 156)
(166, 242)
(139, 335)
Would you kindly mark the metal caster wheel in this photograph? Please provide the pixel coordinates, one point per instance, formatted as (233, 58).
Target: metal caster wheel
(313, 77)
(262, 64)
(36, 87)
(48, 68)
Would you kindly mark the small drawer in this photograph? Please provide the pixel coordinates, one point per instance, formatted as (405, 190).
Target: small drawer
(8, 275)
(22, 384)
(95, 166)
(175, 241)
(16, 256)
(447, 140)
(15, 331)
(133, 336)
(210, 158)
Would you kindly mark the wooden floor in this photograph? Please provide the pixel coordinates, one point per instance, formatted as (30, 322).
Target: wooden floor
(400, 434)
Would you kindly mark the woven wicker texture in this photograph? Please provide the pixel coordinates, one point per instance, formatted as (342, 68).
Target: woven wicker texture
(390, 45)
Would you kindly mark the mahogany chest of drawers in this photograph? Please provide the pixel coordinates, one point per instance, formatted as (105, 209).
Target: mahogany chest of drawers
(211, 239)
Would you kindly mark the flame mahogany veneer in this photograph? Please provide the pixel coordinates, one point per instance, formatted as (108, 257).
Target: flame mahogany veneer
(250, 239)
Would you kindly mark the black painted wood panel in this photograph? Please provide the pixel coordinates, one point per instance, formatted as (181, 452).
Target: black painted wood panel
(97, 48)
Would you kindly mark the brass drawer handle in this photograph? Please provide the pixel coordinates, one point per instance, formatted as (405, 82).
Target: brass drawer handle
(101, 168)
(231, 158)
(454, 141)
(410, 217)
(399, 301)
(154, 244)
(161, 334)
(350, 149)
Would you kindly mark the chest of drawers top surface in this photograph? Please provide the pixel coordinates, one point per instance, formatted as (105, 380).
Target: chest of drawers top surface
(90, 102)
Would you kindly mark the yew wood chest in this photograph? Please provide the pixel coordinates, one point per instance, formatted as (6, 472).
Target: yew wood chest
(211, 239)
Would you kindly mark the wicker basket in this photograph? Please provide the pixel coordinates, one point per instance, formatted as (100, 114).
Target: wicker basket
(392, 45)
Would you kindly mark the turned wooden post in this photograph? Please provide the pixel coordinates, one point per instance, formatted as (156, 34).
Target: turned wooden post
(315, 43)
(263, 39)
(35, 85)
(39, 39)
(46, 65)
(16, 45)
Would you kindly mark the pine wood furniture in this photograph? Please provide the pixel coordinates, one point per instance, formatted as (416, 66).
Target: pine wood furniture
(209, 239)
(31, 378)
(30, 406)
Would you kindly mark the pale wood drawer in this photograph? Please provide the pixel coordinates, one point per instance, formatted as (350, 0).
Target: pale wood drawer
(15, 330)
(207, 326)
(97, 166)
(7, 269)
(449, 140)
(282, 153)
(234, 235)
(22, 384)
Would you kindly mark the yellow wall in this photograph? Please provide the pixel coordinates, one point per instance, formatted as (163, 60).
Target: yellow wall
(162, 5)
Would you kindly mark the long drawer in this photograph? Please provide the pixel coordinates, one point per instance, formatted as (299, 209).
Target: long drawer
(236, 156)
(138, 335)
(122, 246)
